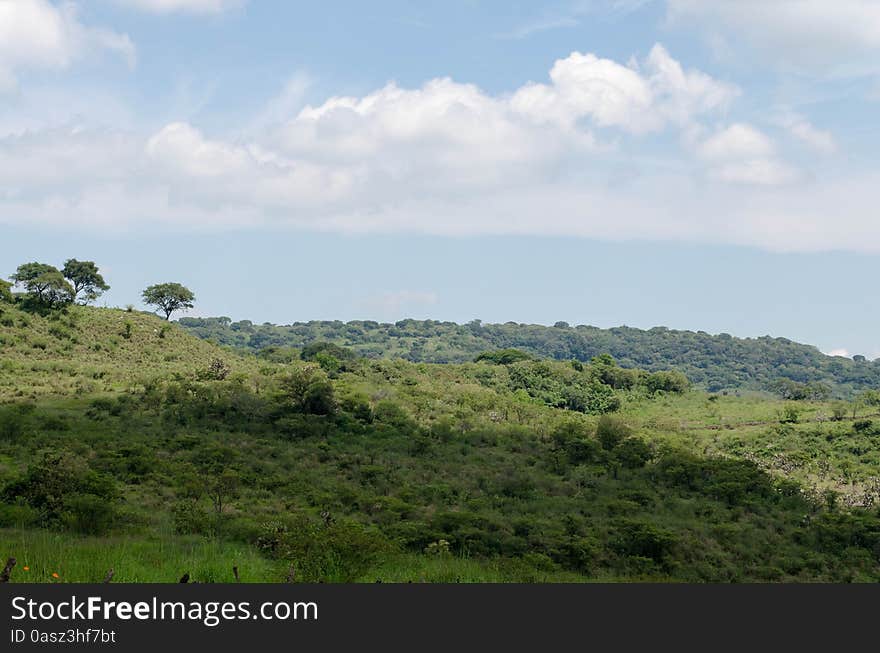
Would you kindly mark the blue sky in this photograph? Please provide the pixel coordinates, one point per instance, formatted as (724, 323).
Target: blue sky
(669, 162)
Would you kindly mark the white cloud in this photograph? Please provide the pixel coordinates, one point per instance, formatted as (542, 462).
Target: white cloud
(636, 98)
(761, 172)
(840, 36)
(184, 6)
(35, 34)
(741, 154)
(838, 352)
(801, 129)
(738, 141)
(449, 158)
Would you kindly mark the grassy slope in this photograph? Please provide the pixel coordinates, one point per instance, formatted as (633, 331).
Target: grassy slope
(87, 350)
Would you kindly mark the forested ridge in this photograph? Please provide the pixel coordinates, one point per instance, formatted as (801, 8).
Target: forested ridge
(713, 362)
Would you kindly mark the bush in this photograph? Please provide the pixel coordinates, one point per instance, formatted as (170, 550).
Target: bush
(643, 540)
(89, 514)
(671, 381)
(633, 453)
(308, 390)
(191, 519)
(66, 491)
(611, 431)
(790, 414)
(6, 291)
(323, 550)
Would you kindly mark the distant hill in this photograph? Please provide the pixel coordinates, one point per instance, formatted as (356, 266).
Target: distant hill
(715, 362)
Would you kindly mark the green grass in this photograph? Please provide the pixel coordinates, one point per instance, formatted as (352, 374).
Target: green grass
(78, 559)
(85, 350)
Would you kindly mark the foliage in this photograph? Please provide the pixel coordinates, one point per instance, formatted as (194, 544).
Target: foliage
(503, 356)
(400, 470)
(44, 284)
(5, 291)
(712, 362)
(85, 278)
(64, 489)
(168, 297)
(307, 389)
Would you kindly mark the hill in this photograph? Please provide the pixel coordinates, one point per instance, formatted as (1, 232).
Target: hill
(84, 350)
(716, 363)
(333, 467)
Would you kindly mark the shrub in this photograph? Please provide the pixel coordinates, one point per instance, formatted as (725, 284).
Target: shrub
(671, 381)
(633, 453)
(643, 540)
(790, 414)
(65, 490)
(5, 291)
(308, 390)
(89, 514)
(611, 431)
(323, 550)
(217, 370)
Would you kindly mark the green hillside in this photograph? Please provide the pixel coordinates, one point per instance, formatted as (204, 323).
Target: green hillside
(83, 350)
(716, 363)
(159, 454)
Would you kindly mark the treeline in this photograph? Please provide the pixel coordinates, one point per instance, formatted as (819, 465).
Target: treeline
(45, 287)
(716, 363)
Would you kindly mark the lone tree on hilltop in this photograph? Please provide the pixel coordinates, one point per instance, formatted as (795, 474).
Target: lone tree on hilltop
(85, 278)
(169, 297)
(44, 283)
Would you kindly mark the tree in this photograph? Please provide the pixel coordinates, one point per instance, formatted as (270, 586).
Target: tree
(309, 391)
(44, 283)
(85, 278)
(169, 297)
(5, 291)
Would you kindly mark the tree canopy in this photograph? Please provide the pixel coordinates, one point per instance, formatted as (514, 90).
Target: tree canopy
(85, 278)
(5, 291)
(44, 283)
(714, 362)
(169, 297)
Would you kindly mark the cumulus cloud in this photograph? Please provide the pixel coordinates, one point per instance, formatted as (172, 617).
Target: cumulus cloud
(636, 98)
(840, 36)
(742, 154)
(35, 34)
(184, 6)
(449, 158)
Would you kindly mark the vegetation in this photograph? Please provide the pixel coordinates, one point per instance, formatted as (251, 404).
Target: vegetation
(169, 297)
(85, 279)
(128, 443)
(714, 363)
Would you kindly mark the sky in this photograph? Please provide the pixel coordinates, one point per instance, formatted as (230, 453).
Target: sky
(698, 165)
